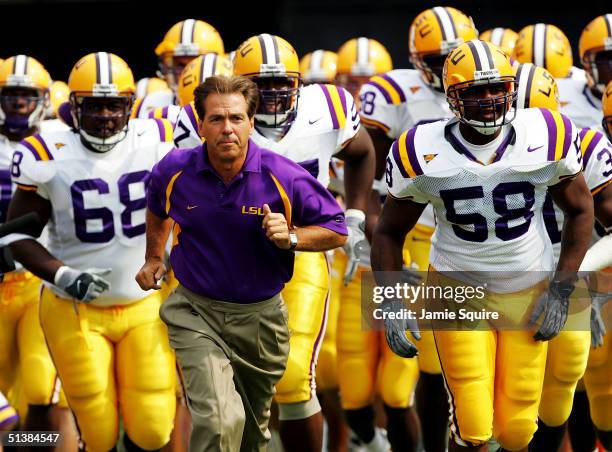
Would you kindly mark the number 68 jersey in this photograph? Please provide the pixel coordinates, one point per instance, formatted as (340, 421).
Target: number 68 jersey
(97, 200)
(489, 216)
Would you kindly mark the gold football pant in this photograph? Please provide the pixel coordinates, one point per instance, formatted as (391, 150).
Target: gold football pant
(327, 370)
(23, 352)
(306, 297)
(598, 383)
(364, 357)
(113, 359)
(416, 251)
(494, 378)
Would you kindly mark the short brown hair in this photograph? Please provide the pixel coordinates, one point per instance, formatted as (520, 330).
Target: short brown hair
(220, 84)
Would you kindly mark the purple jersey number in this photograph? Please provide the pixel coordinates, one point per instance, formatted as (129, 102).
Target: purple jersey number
(103, 214)
(500, 203)
(6, 193)
(550, 220)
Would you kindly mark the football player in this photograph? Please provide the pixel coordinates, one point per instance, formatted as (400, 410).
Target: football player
(308, 125)
(546, 46)
(567, 354)
(318, 66)
(184, 41)
(487, 179)
(24, 98)
(103, 332)
(390, 103)
(581, 99)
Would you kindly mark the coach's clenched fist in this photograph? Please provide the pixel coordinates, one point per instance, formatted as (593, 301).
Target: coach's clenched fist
(276, 228)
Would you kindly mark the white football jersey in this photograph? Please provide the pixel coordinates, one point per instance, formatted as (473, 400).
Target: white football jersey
(578, 103)
(169, 112)
(399, 100)
(489, 216)
(158, 99)
(596, 153)
(326, 119)
(97, 199)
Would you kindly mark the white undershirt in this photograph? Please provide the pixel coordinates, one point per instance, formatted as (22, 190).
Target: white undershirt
(483, 152)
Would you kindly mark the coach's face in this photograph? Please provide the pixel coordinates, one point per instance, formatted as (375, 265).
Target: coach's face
(226, 126)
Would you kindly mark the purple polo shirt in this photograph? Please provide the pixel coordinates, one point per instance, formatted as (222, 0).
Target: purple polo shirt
(222, 251)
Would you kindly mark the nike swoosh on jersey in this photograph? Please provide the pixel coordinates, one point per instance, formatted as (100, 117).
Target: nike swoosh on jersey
(530, 149)
(191, 207)
(312, 122)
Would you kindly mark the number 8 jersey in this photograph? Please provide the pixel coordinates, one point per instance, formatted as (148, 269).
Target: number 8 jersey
(97, 199)
(489, 216)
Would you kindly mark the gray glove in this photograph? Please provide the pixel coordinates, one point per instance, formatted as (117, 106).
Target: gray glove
(598, 327)
(355, 222)
(84, 285)
(554, 303)
(395, 330)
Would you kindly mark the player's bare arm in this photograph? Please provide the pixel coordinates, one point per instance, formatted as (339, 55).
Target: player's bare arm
(574, 198)
(29, 252)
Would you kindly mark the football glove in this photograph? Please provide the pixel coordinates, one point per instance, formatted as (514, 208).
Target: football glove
(355, 222)
(554, 304)
(598, 327)
(84, 285)
(395, 330)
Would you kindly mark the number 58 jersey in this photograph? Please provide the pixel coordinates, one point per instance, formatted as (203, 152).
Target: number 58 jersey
(97, 200)
(489, 215)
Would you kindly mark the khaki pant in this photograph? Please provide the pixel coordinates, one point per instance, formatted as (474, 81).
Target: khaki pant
(231, 355)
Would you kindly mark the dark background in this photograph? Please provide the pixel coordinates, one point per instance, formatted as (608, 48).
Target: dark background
(59, 32)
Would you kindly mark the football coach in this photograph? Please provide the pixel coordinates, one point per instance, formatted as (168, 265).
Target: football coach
(240, 212)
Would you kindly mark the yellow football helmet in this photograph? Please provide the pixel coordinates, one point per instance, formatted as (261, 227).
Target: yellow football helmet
(273, 64)
(358, 60)
(319, 66)
(433, 34)
(101, 97)
(606, 106)
(546, 46)
(199, 70)
(184, 41)
(24, 95)
(150, 85)
(535, 87)
(480, 85)
(595, 47)
(58, 94)
(504, 38)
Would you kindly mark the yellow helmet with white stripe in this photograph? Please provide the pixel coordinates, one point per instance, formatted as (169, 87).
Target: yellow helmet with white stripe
(504, 38)
(544, 45)
(58, 94)
(480, 85)
(101, 96)
(199, 70)
(24, 95)
(535, 87)
(272, 63)
(319, 66)
(433, 34)
(595, 48)
(184, 41)
(358, 60)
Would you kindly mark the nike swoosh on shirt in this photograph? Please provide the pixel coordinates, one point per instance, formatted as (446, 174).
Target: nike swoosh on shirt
(530, 149)
(141, 133)
(312, 122)
(191, 207)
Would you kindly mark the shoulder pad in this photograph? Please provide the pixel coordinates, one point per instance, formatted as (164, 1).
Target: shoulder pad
(404, 154)
(389, 88)
(589, 139)
(37, 146)
(559, 133)
(336, 103)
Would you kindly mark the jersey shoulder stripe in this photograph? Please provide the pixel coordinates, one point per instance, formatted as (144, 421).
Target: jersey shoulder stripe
(559, 134)
(159, 113)
(192, 114)
(389, 88)
(136, 108)
(165, 130)
(37, 146)
(336, 102)
(589, 139)
(405, 156)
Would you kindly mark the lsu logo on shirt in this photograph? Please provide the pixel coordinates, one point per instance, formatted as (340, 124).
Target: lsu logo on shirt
(252, 210)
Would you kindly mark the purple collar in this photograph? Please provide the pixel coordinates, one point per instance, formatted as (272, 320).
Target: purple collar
(510, 138)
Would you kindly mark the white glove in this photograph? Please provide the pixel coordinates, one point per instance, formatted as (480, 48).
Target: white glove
(84, 285)
(355, 222)
(554, 304)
